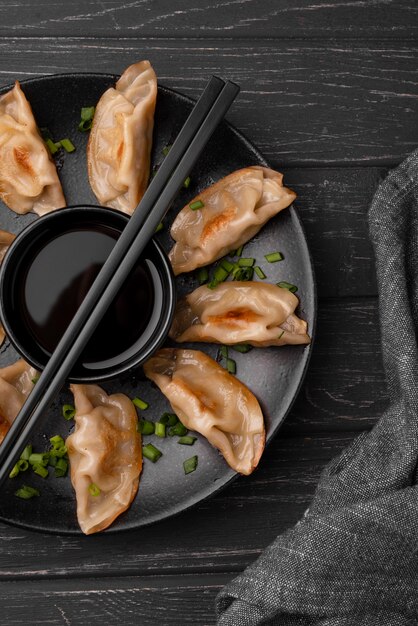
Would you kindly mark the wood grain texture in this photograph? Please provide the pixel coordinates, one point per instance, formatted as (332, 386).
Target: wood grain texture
(191, 18)
(301, 103)
(156, 601)
(223, 534)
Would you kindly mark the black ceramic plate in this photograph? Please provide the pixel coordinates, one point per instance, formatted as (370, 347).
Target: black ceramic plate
(273, 374)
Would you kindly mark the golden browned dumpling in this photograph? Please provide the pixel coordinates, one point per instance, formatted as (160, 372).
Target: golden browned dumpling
(105, 456)
(212, 402)
(240, 312)
(234, 209)
(16, 383)
(119, 149)
(5, 241)
(28, 176)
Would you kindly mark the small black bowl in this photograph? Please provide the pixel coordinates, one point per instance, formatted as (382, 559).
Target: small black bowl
(43, 280)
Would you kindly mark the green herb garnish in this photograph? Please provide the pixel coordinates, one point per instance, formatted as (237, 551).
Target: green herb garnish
(190, 465)
(151, 452)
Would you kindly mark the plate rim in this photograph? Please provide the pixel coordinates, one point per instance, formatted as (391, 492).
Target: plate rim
(307, 349)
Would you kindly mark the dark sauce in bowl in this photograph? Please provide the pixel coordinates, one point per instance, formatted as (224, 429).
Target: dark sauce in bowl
(59, 277)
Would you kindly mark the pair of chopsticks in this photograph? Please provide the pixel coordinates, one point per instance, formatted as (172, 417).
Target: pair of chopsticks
(198, 128)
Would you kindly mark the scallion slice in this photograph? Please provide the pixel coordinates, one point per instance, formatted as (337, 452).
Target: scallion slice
(15, 471)
(26, 493)
(94, 490)
(141, 404)
(40, 470)
(242, 347)
(273, 257)
(61, 468)
(231, 366)
(151, 452)
(166, 150)
(52, 146)
(57, 441)
(187, 182)
(239, 251)
(196, 205)
(67, 144)
(220, 274)
(26, 452)
(259, 272)
(87, 115)
(68, 411)
(39, 458)
(145, 427)
(223, 351)
(35, 379)
(243, 273)
(190, 465)
(159, 227)
(187, 440)
(160, 430)
(227, 265)
(179, 430)
(288, 286)
(169, 419)
(212, 284)
(22, 465)
(203, 275)
(246, 262)
(58, 451)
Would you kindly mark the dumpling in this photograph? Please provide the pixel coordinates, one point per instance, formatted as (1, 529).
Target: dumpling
(119, 148)
(212, 402)
(28, 176)
(16, 383)
(5, 241)
(260, 314)
(105, 454)
(234, 209)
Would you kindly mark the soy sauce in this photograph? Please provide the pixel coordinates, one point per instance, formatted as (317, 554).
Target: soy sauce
(58, 278)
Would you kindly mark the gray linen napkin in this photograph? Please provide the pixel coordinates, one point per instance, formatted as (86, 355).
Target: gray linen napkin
(352, 559)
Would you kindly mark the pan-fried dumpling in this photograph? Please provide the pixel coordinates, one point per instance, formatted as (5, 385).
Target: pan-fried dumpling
(119, 149)
(16, 383)
(212, 402)
(234, 209)
(5, 241)
(28, 176)
(105, 454)
(260, 314)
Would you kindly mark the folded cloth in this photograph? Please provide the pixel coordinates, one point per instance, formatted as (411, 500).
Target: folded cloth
(352, 559)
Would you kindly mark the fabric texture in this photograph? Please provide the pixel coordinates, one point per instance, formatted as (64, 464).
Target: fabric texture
(352, 559)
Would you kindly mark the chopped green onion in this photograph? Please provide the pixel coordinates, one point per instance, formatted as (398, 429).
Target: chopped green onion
(61, 468)
(220, 274)
(179, 430)
(203, 275)
(169, 419)
(52, 146)
(243, 273)
(288, 286)
(246, 262)
(85, 125)
(26, 453)
(166, 150)
(68, 411)
(53, 460)
(187, 441)
(159, 227)
(281, 335)
(22, 465)
(273, 257)
(67, 144)
(227, 265)
(223, 351)
(160, 430)
(57, 441)
(94, 490)
(145, 427)
(15, 471)
(187, 182)
(40, 470)
(190, 465)
(259, 272)
(242, 347)
(151, 452)
(87, 113)
(59, 452)
(198, 204)
(35, 379)
(39, 458)
(231, 366)
(26, 493)
(141, 404)
(239, 251)
(213, 284)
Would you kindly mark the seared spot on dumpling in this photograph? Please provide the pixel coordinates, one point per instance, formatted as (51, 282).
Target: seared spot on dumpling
(219, 222)
(237, 316)
(22, 158)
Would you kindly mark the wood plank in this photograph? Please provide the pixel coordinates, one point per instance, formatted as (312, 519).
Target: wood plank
(234, 18)
(146, 601)
(223, 534)
(302, 103)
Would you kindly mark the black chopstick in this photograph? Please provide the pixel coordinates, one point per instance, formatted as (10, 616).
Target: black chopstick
(200, 125)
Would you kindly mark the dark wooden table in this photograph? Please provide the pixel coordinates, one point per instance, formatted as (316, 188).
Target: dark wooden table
(329, 95)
